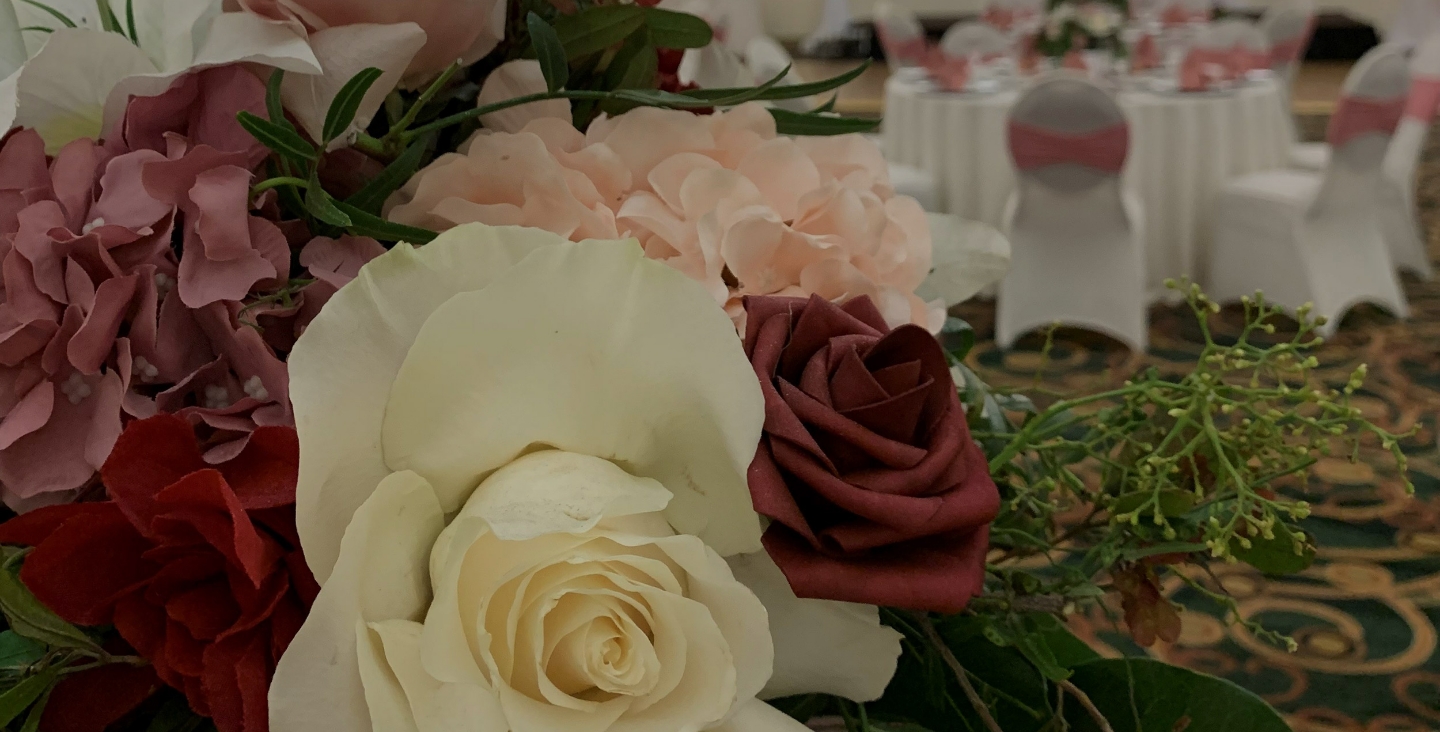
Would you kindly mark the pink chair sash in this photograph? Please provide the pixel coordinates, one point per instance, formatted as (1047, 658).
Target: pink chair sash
(1424, 99)
(1178, 14)
(1291, 50)
(1104, 149)
(911, 51)
(1356, 116)
(1146, 54)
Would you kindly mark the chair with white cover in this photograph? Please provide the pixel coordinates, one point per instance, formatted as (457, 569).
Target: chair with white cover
(1315, 237)
(1077, 246)
(1413, 22)
(975, 40)
(1182, 12)
(901, 35)
(1289, 25)
(1399, 216)
(767, 59)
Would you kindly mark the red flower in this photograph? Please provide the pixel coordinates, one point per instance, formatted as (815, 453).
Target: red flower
(197, 566)
(877, 492)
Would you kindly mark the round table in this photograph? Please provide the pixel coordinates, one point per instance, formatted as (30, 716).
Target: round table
(1183, 148)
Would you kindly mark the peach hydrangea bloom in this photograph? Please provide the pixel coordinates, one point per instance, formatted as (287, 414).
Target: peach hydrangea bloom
(722, 198)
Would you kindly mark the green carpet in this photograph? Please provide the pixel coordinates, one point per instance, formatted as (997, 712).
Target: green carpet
(1366, 615)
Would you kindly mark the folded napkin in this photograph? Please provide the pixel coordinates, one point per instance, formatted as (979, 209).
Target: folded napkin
(951, 73)
(1204, 68)
(1146, 54)
(1177, 14)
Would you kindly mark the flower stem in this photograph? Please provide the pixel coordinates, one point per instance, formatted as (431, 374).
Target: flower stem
(933, 635)
(1084, 699)
(269, 183)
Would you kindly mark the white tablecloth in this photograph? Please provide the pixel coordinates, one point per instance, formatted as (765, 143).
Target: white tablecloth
(1183, 148)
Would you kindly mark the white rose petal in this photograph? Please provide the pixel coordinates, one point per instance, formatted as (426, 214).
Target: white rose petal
(757, 716)
(821, 646)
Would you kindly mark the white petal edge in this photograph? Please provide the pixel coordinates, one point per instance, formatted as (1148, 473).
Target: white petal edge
(12, 43)
(594, 349)
(62, 90)
(757, 716)
(821, 646)
(343, 366)
(345, 51)
(556, 492)
(382, 575)
(402, 696)
(967, 258)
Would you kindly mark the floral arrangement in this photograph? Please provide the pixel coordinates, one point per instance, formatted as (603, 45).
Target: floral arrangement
(1083, 25)
(452, 365)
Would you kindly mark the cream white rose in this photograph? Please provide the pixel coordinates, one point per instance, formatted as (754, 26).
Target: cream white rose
(521, 461)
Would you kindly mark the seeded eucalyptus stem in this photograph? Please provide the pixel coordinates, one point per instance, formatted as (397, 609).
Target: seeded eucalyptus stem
(961, 675)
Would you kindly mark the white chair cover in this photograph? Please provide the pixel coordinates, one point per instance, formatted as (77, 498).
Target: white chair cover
(1302, 236)
(917, 183)
(900, 34)
(1289, 25)
(1415, 20)
(736, 22)
(714, 66)
(1077, 251)
(1399, 216)
(974, 39)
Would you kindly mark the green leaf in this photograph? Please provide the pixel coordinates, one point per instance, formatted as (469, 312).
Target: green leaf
(597, 28)
(373, 195)
(29, 618)
(828, 106)
(1173, 502)
(68, 23)
(174, 716)
(366, 224)
(1068, 650)
(792, 91)
(1144, 695)
(1016, 403)
(897, 727)
(669, 29)
(1275, 556)
(347, 102)
(283, 140)
(17, 651)
(22, 695)
(320, 205)
(37, 711)
(130, 20)
(794, 123)
(274, 105)
(957, 337)
(108, 21)
(551, 53)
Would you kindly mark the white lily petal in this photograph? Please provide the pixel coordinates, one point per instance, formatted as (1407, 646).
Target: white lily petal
(556, 492)
(232, 38)
(345, 51)
(62, 90)
(169, 30)
(12, 42)
(8, 101)
(594, 349)
(967, 258)
(429, 704)
(518, 78)
(821, 646)
(757, 716)
(341, 370)
(381, 575)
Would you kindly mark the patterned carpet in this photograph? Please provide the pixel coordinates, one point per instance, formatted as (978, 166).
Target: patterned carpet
(1366, 615)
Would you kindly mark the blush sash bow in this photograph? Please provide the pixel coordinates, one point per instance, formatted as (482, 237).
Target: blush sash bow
(1104, 149)
(1356, 116)
(1424, 99)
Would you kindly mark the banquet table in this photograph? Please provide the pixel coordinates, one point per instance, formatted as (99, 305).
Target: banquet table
(1184, 147)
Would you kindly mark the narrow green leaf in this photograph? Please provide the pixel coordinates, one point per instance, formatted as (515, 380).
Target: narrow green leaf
(22, 695)
(958, 337)
(367, 224)
(31, 619)
(17, 651)
(283, 140)
(37, 711)
(68, 23)
(548, 49)
(792, 91)
(828, 106)
(130, 20)
(108, 21)
(347, 102)
(793, 123)
(38, 29)
(373, 195)
(597, 28)
(670, 29)
(320, 205)
(274, 104)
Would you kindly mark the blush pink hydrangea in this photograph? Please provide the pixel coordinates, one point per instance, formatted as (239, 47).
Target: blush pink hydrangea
(127, 268)
(722, 198)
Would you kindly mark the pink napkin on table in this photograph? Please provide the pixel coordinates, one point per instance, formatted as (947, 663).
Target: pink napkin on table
(1029, 56)
(912, 51)
(951, 73)
(1203, 68)
(1243, 60)
(1146, 54)
(1075, 61)
(998, 17)
(1178, 14)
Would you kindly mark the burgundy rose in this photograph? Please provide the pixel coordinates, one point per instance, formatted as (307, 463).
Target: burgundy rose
(866, 466)
(196, 566)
